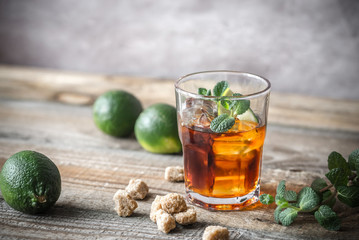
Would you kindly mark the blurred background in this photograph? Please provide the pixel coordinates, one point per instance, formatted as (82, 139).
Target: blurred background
(306, 47)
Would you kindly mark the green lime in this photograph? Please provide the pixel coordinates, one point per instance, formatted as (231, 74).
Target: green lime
(156, 129)
(115, 112)
(227, 92)
(248, 116)
(30, 182)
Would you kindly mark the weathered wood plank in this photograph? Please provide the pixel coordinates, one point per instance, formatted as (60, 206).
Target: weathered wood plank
(93, 166)
(79, 88)
(85, 206)
(70, 126)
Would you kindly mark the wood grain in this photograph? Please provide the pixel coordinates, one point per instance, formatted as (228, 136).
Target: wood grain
(50, 112)
(82, 89)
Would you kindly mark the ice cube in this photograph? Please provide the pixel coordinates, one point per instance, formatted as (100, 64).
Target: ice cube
(199, 112)
(229, 148)
(190, 115)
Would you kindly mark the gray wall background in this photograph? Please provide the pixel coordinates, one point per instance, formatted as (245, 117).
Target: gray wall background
(302, 46)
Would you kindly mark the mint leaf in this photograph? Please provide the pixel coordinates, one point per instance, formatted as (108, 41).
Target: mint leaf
(318, 184)
(202, 91)
(337, 177)
(327, 218)
(349, 195)
(308, 199)
(222, 123)
(239, 106)
(290, 196)
(328, 199)
(287, 216)
(220, 88)
(336, 160)
(354, 160)
(279, 197)
(277, 212)
(266, 198)
(281, 189)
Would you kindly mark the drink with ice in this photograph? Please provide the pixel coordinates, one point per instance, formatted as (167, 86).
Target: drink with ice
(222, 169)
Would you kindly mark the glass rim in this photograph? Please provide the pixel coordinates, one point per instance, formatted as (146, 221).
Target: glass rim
(196, 95)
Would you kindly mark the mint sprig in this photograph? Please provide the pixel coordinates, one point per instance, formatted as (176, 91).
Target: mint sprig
(219, 88)
(320, 197)
(222, 123)
(204, 92)
(225, 121)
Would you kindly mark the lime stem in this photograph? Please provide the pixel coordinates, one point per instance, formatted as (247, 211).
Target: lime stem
(41, 199)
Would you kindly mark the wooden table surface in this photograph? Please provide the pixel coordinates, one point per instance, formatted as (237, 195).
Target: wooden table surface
(50, 112)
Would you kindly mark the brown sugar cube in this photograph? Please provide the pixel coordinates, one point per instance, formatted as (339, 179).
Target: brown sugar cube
(124, 204)
(156, 205)
(165, 221)
(187, 217)
(137, 189)
(173, 203)
(215, 233)
(174, 174)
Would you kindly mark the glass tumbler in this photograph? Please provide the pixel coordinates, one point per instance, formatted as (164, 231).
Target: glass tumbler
(222, 166)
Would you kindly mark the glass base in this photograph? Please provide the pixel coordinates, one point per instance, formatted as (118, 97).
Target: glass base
(223, 204)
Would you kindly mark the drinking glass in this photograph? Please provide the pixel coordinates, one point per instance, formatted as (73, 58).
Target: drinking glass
(222, 169)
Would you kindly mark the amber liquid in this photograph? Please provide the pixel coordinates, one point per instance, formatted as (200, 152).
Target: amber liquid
(223, 165)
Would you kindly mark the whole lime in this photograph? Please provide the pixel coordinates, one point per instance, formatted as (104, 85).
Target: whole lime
(30, 182)
(156, 129)
(115, 112)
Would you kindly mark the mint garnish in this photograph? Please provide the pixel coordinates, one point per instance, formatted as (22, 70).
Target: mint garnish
(204, 91)
(219, 89)
(239, 106)
(319, 198)
(232, 108)
(222, 123)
